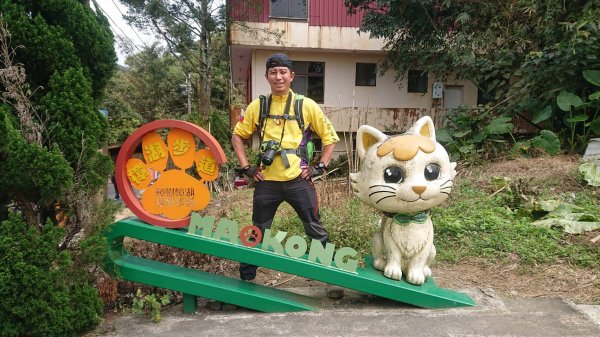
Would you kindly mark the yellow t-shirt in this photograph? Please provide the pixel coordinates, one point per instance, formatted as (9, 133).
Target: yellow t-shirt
(314, 118)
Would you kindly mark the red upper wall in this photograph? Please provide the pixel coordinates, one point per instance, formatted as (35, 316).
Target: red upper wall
(320, 12)
(249, 10)
(332, 13)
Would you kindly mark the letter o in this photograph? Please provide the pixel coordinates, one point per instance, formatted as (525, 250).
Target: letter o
(292, 242)
(250, 232)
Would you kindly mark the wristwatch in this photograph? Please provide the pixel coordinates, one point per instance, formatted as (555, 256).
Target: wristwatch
(322, 165)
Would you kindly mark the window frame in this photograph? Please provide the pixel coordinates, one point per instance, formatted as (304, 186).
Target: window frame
(308, 75)
(418, 85)
(289, 16)
(366, 81)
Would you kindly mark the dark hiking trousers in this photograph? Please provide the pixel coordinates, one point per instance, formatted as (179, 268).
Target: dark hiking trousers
(301, 195)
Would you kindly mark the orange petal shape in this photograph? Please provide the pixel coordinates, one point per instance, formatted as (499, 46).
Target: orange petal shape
(137, 173)
(155, 151)
(206, 165)
(182, 148)
(175, 194)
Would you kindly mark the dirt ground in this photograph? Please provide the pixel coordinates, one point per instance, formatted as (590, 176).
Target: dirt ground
(556, 174)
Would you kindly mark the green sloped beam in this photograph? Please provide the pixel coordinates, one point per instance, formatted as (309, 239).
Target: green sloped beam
(217, 287)
(367, 280)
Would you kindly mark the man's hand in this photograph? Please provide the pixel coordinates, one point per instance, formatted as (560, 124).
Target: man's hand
(316, 171)
(253, 172)
(308, 172)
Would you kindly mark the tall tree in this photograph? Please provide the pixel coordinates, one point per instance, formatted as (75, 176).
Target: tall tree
(187, 27)
(64, 75)
(56, 57)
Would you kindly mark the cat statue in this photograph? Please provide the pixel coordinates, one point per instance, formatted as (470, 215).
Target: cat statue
(403, 176)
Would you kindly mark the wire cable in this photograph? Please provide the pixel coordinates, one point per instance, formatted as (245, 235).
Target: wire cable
(134, 31)
(116, 25)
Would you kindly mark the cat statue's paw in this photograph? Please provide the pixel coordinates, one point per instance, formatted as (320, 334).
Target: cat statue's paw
(393, 271)
(379, 263)
(416, 277)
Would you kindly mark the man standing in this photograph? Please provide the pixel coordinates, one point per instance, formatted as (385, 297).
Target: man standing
(283, 173)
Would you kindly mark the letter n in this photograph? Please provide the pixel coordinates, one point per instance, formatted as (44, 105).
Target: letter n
(323, 254)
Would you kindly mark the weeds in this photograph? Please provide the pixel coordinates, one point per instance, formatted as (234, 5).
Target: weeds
(475, 224)
(149, 304)
(351, 225)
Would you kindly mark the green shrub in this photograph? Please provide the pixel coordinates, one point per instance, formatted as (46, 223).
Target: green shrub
(41, 293)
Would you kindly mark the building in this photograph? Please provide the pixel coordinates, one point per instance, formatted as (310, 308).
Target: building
(334, 65)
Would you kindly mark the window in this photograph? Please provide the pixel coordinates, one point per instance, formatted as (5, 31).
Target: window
(366, 75)
(417, 81)
(483, 97)
(289, 9)
(309, 79)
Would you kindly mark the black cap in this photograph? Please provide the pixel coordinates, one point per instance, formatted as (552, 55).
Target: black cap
(279, 60)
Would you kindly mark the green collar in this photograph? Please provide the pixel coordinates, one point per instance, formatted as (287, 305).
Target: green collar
(405, 219)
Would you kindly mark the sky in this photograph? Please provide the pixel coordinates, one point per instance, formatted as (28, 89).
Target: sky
(114, 10)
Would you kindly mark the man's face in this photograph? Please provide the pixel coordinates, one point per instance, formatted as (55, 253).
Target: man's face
(280, 79)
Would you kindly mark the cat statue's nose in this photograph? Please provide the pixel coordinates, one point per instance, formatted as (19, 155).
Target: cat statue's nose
(419, 189)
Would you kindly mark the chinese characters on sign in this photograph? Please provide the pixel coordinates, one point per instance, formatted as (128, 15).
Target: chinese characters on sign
(154, 152)
(175, 197)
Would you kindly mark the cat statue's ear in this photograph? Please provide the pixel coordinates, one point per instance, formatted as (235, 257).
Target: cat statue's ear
(367, 136)
(424, 127)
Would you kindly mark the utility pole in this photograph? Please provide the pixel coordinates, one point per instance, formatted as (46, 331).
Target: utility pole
(188, 91)
(188, 88)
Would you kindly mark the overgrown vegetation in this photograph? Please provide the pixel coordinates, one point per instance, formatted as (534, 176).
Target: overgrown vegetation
(150, 304)
(524, 56)
(475, 223)
(55, 60)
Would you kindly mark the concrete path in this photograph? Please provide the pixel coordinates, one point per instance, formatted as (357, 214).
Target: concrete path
(359, 314)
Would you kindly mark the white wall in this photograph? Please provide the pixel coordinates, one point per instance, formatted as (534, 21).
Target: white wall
(340, 91)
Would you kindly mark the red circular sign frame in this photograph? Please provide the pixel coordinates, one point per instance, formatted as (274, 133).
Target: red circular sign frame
(126, 152)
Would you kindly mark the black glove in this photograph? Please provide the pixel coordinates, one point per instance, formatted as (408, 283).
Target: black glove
(249, 171)
(318, 169)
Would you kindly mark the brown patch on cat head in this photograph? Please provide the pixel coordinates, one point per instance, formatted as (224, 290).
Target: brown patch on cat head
(405, 147)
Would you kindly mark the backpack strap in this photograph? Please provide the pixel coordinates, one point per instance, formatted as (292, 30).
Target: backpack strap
(264, 111)
(298, 111)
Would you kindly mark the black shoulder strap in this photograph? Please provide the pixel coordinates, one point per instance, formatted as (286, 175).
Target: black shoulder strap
(298, 111)
(264, 111)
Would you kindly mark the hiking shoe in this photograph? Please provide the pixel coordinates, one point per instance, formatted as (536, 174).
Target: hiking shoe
(335, 292)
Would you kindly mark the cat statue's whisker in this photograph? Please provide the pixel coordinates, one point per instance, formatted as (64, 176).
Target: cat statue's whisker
(385, 186)
(389, 196)
(389, 192)
(447, 181)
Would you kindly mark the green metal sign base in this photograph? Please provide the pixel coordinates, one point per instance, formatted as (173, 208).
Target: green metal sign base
(198, 283)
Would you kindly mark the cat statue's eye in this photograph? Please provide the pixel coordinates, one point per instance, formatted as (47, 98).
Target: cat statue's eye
(393, 174)
(432, 171)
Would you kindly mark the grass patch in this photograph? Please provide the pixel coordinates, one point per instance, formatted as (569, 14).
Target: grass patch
(351, 225)
(474, 224)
